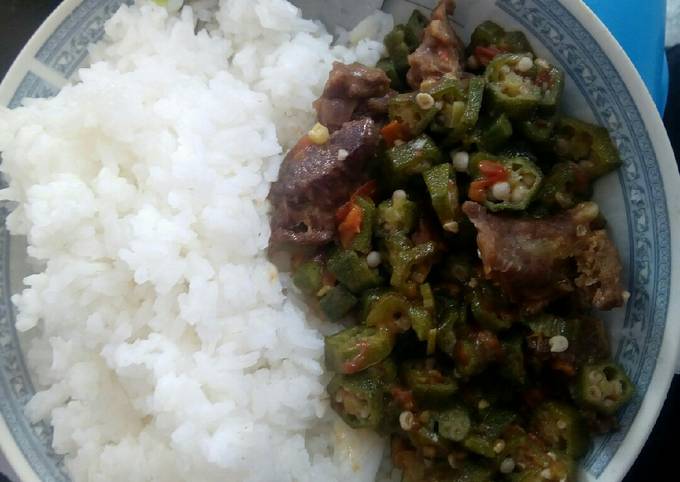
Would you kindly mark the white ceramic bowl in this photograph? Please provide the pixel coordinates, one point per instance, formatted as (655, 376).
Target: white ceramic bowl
(641, 203)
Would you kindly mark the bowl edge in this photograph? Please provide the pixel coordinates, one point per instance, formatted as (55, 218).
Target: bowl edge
(664, 370)
(10, 449)
(653, 401)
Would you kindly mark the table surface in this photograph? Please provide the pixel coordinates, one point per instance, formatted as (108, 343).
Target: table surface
(20, 18)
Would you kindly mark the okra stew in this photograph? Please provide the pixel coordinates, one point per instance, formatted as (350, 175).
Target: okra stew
(439, 212)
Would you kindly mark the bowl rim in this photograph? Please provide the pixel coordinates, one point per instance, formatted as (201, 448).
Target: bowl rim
(664, 370)
(658, 387)
(8, 445)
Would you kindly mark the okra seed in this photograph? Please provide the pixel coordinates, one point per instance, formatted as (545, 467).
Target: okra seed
(606, 387)
(505, 69)
(501, 191)
(529, 180)
(451, 227)
(365, 412)
(563, 199)
(542, 63)
(587, 212)
(608, 403)
(453, 463)
(525, 64)
(595, 376)
(458, 106)
(339, 397)
(406, 420)
(595, 393)
(399, 195)
(427, 84)
(342, 154)
(561, 424)
(499, 446)
(461, 160)
(373, 259)
(398, 142)
(617, 388)
(319, 134)
(626, 296)
(324, 289)
(507, 466)
(546, 474)
(424, 101)
(483, 404)
(472, 62)
(552, 456)
(519, 194)
(558, 344)
(591, 210)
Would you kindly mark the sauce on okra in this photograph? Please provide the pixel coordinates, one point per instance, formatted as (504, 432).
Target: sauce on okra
(439, 211)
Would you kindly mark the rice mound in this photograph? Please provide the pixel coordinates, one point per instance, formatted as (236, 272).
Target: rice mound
(161, 337)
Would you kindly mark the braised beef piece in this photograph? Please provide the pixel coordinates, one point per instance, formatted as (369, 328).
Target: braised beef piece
(334, 112)
(599, 269)
(441, 51)
(352, 91)
(375, 107)
(535, 261)
(355, 81)
(315, 180)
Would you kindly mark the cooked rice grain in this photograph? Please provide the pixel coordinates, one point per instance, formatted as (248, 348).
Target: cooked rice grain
(160, 335)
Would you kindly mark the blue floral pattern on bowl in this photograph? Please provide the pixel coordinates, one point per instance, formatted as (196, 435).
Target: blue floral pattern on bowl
(612, 105)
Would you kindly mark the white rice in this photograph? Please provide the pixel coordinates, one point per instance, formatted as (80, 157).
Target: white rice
(162, 340)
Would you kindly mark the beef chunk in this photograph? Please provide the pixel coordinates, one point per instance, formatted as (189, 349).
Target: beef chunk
(535, 261)
(315, 180)
(351, 91)
(599, 268)
(441, 51)
(334, 112)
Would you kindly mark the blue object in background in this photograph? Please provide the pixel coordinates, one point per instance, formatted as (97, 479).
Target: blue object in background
(640, 28)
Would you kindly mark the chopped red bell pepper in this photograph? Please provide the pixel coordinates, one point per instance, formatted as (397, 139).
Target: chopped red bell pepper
(403, 397)
(485, 55)
(395, 131)
(350, 225)
(357, 363)
(350, 215)
(492, 173)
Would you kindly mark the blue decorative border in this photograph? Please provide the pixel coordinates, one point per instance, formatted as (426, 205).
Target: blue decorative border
(66, 49)
(642, 186)
(32, 86)
(612, 105)
(34, 440)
